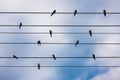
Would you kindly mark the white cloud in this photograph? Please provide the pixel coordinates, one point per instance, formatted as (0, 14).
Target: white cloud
(61, 5)
(112, 74)
(34, 5)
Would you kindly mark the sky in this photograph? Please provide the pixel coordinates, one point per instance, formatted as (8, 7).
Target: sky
(59, 50)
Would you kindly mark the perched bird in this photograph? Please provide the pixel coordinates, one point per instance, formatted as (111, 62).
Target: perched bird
(53, 13)
(77, 42)
(39, 42)
(90, 32)
(104, 12)
(50, 33)
(20, 25)
(93, 55)
(75, 12)
(38, 66)
(15, 57)
(54, 57)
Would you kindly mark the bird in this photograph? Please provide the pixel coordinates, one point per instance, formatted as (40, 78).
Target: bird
(50, 31)
(77, 42)
(75, 12)
(53, 56)
(104, 12)
(39, 42)
(15, 57)
(20, 25)
(53, 13)
(93, 55)
(38, 66)
(90, 32)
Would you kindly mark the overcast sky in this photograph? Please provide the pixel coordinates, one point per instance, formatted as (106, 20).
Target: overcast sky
(59, 50)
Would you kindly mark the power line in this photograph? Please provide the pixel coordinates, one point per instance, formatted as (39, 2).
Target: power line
(58, 33)
(47, 43)
(104, 57)
(58, 66)
(71, 26)
(38, 12)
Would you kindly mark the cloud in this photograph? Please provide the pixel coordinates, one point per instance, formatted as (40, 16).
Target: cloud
(111, 50)
(112, 74)
(35, 50)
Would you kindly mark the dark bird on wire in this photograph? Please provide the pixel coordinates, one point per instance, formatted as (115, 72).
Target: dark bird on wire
(38, 66)
(104, 12)
(93, 55)
(20, 25)
(39, 42)
(75, 12)
(53, 56)
(90, 32)
(15, 57)
(77, 42)
(53, 13)
(50, 31)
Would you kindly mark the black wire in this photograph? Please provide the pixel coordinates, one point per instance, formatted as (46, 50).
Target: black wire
(72, 26)
(58, 33)
(60, 43)
(59, 66)
(56, 57)
(37, 12)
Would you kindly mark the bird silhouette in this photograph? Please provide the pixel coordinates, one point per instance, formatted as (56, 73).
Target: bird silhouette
(53, 56)
(15, 57)
(53, 13)
(38, 66)
(75, 12)
(90, 32)
(93, 55)
(104, 12)
(39, 42)
(20, 25)
(50, 31)
(77, 42)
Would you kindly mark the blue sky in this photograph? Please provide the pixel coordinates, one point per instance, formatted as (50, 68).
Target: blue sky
(59, 50)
